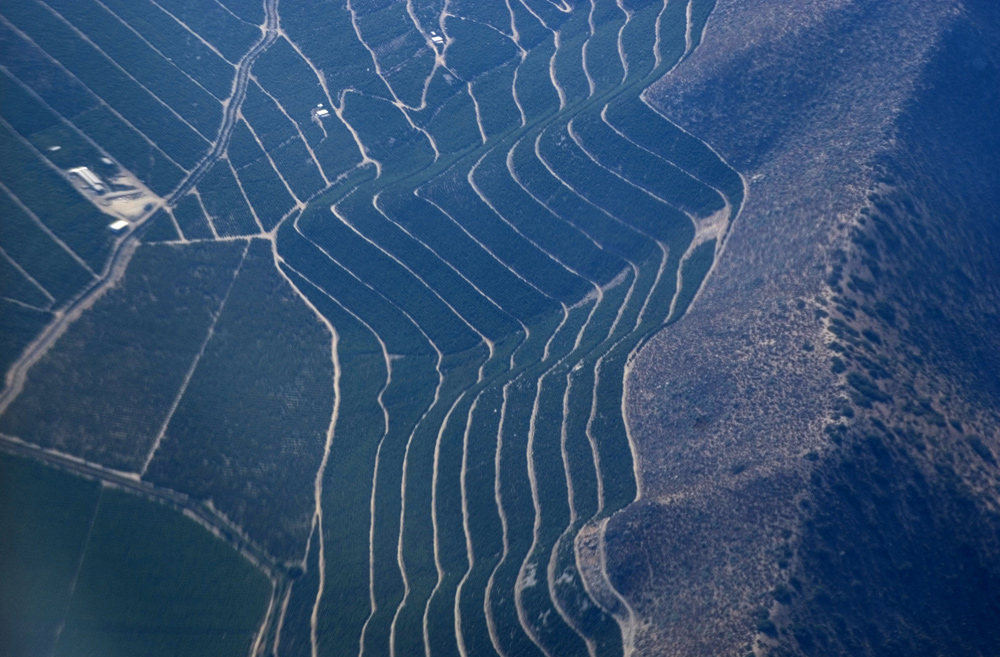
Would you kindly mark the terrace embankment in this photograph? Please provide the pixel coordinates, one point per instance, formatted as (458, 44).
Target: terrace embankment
(830, 387)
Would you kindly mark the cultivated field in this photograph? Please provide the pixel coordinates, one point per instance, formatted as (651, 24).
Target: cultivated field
(381, 327)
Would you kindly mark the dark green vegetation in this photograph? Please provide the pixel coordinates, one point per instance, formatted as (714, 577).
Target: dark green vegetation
(54, 202)
(88, 571)
(146, 562)
(191, 218)
(45, 517)
(259, 400)
(123, 362)
(486, 273)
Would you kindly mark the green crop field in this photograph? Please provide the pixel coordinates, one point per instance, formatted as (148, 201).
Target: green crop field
(45, 518)
(144, 562)
(411, 249)
(91, 571)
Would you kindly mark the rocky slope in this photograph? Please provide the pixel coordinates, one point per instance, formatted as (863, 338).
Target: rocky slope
(819, 435)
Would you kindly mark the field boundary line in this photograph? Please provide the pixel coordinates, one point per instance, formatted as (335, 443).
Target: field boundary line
(434, 522)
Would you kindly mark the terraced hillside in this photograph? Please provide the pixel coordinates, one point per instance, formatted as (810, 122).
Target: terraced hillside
(376, 327)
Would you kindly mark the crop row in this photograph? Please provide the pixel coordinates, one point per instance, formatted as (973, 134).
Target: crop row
(386, 134)
(379, 270)
(390, 34)
(453, 122)
(468, 303)
(19, 287)
(53, 139)
(569, 59)
(614, 236)
(437, 230)
(641, 124)
(26, 243)
(418, 529)
(225, 202)
(603, 59)
(630, 204)
(260, 182)
(460, 200)
(644, 169)
(385, 318)
(541, 226)
(324, 31)
(496, 104)
(347, 484)
(287, 77)
(638, 36)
